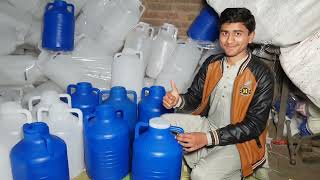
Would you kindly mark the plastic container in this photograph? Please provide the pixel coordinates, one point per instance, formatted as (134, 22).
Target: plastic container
(106, 144)
(58, 26)
(156, 153)
(39, 155)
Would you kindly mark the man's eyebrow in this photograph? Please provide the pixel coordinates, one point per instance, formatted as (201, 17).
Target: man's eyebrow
(222, 30)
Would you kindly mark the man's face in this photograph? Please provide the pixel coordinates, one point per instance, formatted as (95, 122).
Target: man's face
(234, 38)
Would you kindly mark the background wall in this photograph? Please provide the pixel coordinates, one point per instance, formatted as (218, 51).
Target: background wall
(181, 13)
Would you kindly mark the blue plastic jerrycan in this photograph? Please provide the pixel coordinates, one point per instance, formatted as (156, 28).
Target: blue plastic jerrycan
(58, 26)
(106, 140)
(84, 97)
(119, 98)
(206, 26)
(150, 104)
(39, 155)
(156, 153)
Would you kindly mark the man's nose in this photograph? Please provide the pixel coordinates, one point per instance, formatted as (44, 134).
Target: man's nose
(230, 38)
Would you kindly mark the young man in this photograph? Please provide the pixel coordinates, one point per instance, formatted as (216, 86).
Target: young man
(230, 99)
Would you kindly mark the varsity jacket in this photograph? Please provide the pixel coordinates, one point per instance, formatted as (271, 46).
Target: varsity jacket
(251, 104)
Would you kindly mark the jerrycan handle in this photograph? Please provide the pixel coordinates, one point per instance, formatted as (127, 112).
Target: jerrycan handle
(87, 119)
(143, 8)
(48, 142)
(68, 97)
(30, 105)
(119, 113)
(105, 92)
(79, 113)
(71, 8)
(176, 129)
(26, 113)
(138, 126)
(151, 32)
(70, 87)
(96, 90)
(48, 6)
(140, 55)
(39, 113)
(117, 55)
(134, 95)
(175, 35)
(143, 92)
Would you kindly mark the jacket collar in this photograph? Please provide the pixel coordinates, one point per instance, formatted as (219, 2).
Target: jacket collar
(242, 66)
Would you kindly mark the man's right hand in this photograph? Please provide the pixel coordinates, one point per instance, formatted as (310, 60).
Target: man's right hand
(172, 97)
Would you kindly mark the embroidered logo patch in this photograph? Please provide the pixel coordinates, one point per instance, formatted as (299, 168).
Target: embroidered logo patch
(245, 90)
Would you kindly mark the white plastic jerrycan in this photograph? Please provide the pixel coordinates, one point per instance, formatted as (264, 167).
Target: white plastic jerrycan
(313, 122)
(181, 67)
(163, 45)
(140, 39)
(12, 117)
(68, 127)
(46, 99)
(128, 70)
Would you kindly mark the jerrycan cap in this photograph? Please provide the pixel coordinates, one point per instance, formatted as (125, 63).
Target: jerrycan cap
(159, 123)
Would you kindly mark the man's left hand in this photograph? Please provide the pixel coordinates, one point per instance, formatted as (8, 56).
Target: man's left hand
(192, 141)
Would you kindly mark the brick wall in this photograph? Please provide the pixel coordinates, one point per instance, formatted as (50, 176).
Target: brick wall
(181, 13)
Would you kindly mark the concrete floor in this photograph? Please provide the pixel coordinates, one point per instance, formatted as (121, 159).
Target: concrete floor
(280, 168)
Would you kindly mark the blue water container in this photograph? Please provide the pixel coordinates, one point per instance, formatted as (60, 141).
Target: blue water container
(156, 153)
(206, 26)
(58, 26)
(303, 128)
(39, 155)
(106, 144)
(119, 98)
(151, 103)
(84, 97)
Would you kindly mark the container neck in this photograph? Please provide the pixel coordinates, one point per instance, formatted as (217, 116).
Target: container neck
(118, 93)
(35, 130)
(157, 92)
(84, 88)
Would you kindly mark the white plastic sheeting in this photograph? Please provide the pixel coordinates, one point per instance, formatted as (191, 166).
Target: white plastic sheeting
(279, 22)
(109, 21)
(301, 63)
(87, 62)
(14, 27)
(19, 70)
(36, 8)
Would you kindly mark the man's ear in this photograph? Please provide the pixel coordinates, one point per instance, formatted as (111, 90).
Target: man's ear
(251, 36)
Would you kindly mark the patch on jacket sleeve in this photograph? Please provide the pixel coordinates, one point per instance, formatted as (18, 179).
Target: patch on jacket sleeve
(245, 90)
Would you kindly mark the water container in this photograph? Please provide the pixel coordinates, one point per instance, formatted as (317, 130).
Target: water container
(313, 123)
(139, 39)
(58, 26)
(12, 117)
(162, 47)
(106, 144)
(39, 155)
(156, 153)
(118, 97)
(151, 103)
(46, 99)
(84, 97)
(181, 67)
(47, 86)
(206, 26)
(128, 70)
(69, 128)
(304, 129)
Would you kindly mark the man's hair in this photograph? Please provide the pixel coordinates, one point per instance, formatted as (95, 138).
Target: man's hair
(235, 15)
